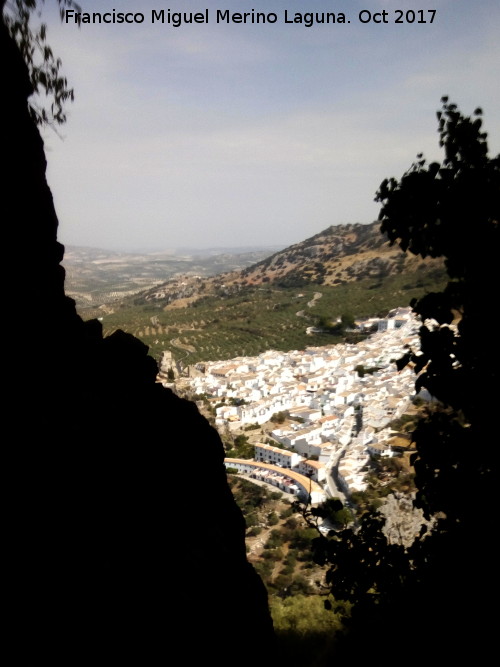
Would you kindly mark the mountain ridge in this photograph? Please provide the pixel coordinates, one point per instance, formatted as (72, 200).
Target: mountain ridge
(337, 255)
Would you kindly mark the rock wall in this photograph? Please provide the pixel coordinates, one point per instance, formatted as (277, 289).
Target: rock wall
(117, 551)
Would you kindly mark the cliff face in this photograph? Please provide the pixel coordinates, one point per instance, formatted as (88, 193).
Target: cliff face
(125, 545)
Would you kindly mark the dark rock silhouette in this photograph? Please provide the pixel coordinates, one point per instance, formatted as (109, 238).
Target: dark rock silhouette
(124, 543)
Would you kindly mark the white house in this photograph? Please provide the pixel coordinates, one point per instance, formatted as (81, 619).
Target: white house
(313, 469)
(277, 456)
(288, 481)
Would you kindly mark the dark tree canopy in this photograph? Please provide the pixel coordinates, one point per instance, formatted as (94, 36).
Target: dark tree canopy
(44, 68)
(453, 210)
(435, 595)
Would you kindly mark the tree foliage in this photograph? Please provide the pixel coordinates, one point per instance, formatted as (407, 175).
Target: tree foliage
(442, 583)
(44, 67)
(278, 417)
(452, 210)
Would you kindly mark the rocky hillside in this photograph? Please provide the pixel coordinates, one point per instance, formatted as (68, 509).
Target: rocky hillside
(336, 256)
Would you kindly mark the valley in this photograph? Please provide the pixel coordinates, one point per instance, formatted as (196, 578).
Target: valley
(307, 381)
(285, 301)
(95, 276)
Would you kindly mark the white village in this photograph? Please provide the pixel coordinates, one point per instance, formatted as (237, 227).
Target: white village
(339, 401)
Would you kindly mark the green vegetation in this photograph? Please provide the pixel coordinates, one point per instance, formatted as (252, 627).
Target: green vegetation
(362, 370)
(386, 476)
(285, 538)
(339, 328)
(406, 423)
(278, 417)
(239, 448)
(272, 518)
(51, 90)
(306, 631)
(258, 319)
(334, 512)
(251, 498)
(279, 546)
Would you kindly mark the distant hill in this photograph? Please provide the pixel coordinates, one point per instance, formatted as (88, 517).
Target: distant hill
(95, 276)
(277, 302)
(336, 256)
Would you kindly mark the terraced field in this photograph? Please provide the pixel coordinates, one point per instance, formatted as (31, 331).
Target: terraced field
(258, 319)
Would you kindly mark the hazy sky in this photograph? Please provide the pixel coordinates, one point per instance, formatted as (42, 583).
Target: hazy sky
(232, 135)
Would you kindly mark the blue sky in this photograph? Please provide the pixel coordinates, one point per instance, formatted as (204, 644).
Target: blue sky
(233, 135)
